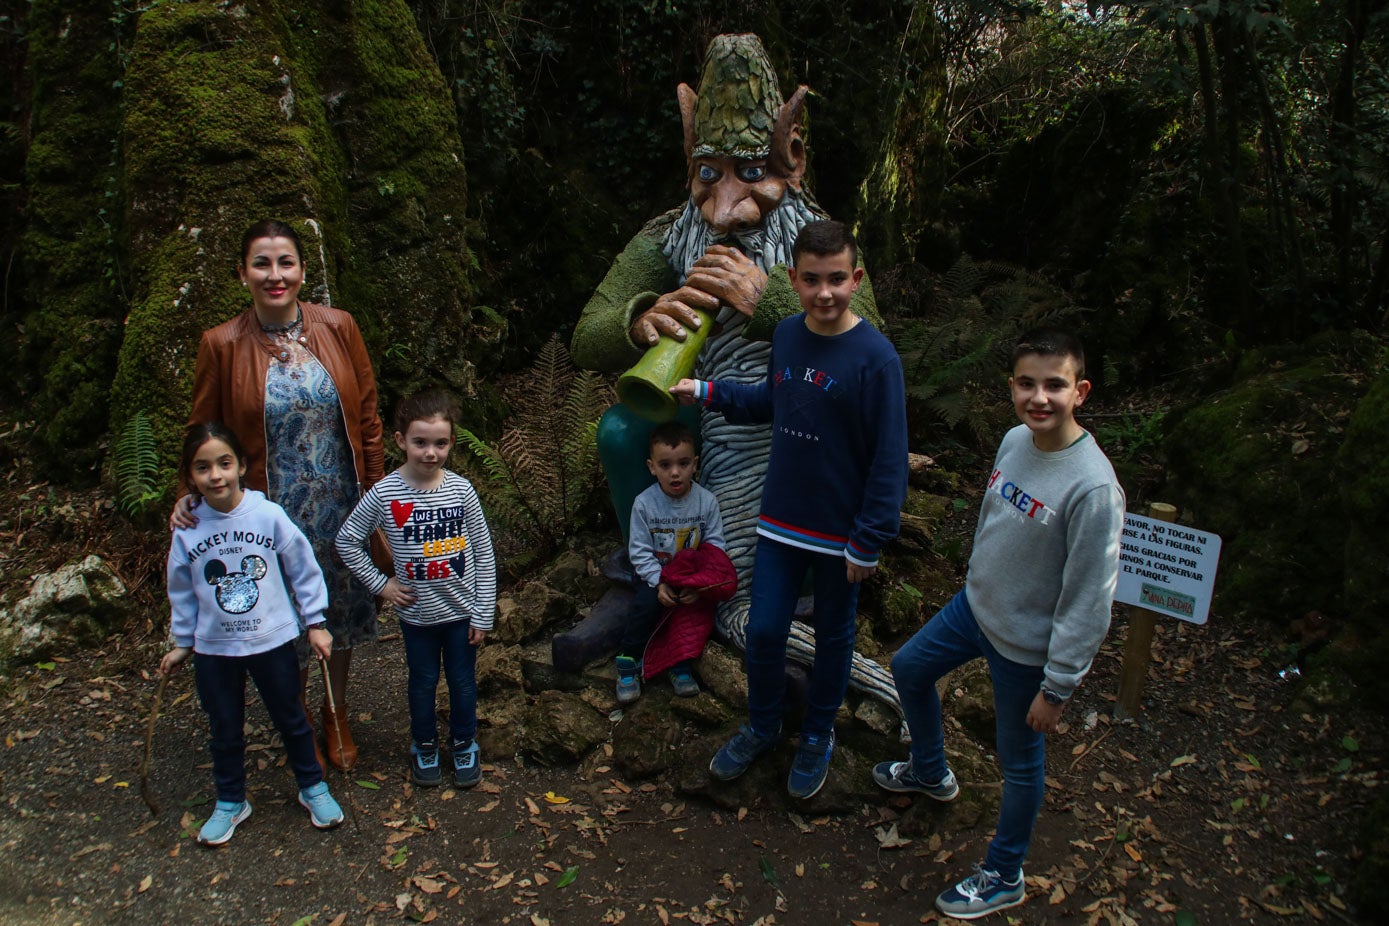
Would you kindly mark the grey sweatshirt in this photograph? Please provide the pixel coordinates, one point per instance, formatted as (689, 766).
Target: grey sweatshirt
(1046, 556)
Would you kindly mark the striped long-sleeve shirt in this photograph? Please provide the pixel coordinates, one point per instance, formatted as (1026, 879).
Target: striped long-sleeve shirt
(441, 544)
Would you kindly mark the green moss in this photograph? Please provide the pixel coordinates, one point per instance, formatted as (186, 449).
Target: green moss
(1251, 464)
(70, 248)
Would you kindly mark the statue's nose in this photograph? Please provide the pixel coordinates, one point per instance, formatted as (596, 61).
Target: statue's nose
(731, 207)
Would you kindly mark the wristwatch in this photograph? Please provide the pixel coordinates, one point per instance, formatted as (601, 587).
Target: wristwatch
(1052, 697)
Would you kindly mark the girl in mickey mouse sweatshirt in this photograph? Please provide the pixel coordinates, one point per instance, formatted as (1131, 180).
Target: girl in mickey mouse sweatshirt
(243, 583)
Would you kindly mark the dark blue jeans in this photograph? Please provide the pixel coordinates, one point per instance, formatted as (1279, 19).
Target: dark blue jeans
(949, 640)
(642, 617)
(426, 647)
(221, 684)
(776, 584)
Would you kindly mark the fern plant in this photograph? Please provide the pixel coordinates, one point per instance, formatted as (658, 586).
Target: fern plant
(955, 364)
(135, 466)
(544, 469)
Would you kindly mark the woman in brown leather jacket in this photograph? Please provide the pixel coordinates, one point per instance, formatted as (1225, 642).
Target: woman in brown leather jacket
(293, 381)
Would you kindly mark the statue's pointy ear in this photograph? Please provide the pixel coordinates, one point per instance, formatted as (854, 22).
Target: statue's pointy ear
(688, 101)
(788, 147)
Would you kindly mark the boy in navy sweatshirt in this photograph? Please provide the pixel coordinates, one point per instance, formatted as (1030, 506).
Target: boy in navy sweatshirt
(835, 484)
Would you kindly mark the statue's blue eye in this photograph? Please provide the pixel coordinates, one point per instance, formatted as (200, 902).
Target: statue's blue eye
(752, 173)
(707, 174)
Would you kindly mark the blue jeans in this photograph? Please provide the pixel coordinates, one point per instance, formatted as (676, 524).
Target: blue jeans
(425, 647)
(643, 616)
(221, 682)
(949, 640)
(776, 584)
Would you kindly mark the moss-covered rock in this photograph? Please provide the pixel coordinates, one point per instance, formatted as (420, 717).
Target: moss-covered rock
(1363, 464)
(1253, 464)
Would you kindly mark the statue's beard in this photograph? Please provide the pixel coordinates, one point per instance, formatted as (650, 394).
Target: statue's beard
(768, 244)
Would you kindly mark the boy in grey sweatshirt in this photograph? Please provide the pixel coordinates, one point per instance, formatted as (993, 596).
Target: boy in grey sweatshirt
(1035, 605)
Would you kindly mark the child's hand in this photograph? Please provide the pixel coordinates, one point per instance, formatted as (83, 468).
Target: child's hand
(666, 595)
(321, 641)
(1043, 717)
(476, 636)
(687, 596)
(856, 573)
(173, 659)
(684, 391)
(182, 516)
(397, 594)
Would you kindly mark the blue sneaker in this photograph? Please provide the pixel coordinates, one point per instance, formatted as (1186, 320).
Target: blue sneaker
(628, 680)
(220, 826)
(980, 894)
(424, 764)
(324, 811)
(898, 776)
(811, 766)
(467, 770)
(734, 757)
(682, 682)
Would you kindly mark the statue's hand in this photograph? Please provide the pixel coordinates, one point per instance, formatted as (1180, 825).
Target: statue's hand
(671, 315)
(730, 276)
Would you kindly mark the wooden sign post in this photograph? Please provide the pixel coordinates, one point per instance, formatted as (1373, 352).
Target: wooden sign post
(1138, 645)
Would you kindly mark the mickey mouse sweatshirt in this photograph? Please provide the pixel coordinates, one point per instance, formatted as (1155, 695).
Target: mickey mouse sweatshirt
(441, 546)
(231, 576)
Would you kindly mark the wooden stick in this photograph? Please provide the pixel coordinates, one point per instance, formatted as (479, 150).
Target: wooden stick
(1138, 642)
(145, 792)
(337, 729)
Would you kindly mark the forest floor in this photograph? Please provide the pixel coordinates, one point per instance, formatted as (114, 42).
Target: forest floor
(1222, 804)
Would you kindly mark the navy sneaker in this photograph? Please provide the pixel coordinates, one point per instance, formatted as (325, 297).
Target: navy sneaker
(811, 766)
(220, 826)
(324, 811)
(734, 757)
(899, 777)
(467, 770)
(628, 680)
(980, 894)
(424, 764)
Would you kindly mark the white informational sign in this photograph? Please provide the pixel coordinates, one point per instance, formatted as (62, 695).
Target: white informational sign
(1167, 568)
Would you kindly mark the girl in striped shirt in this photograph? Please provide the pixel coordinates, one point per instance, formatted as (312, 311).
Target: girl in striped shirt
(444, 585)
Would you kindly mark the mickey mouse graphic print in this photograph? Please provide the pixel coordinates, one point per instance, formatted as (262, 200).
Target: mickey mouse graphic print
(441, 546)
(244, 581)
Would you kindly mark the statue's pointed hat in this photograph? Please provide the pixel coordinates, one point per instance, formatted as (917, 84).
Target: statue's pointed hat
(738, 111)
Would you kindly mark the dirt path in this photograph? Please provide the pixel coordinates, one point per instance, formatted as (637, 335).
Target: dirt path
(1221, 803)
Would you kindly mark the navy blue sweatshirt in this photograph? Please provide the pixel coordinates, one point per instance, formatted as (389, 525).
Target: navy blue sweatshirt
(837, 476)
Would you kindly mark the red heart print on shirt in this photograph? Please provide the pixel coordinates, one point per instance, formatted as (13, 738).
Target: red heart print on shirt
(400, 512)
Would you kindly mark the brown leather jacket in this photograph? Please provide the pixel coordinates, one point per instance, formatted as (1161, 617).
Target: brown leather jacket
(229, 385)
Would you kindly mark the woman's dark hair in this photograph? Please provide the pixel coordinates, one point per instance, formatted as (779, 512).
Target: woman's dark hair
(270, 228)
(199, 434)
(423, 406)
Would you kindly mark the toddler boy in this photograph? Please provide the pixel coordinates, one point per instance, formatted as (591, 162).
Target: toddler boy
(674, 514)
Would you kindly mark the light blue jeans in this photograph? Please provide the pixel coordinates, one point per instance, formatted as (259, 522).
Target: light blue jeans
(776, 584)
(949, 640)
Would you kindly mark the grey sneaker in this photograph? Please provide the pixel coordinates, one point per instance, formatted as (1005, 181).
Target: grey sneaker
(734, 757)
(980, 894)
(628, 680)
(220, 826)
(324, 811)
(898, 776)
